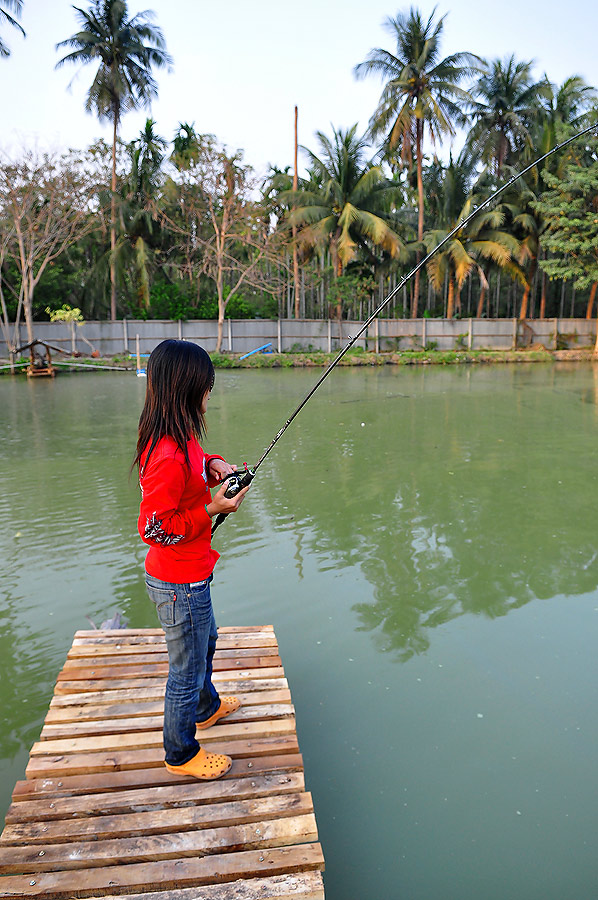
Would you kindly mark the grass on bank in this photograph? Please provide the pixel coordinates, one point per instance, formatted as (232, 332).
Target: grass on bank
(354, 357)
(360, 357)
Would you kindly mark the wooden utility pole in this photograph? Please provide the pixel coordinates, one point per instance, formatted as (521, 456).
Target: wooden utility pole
(295, 255)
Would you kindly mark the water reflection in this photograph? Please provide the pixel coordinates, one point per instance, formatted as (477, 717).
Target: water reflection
(476, 506)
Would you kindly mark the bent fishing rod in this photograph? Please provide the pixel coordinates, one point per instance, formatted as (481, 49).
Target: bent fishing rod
(243, 477)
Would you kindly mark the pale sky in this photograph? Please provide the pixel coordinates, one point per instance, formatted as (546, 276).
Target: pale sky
(240, 67)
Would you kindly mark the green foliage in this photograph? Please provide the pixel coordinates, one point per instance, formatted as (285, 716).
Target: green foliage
(461, 341)
(172, 300)
(350, 290)
(65, 313)
(169, 301)
(570, 209)
(347, 205)
(126, 49)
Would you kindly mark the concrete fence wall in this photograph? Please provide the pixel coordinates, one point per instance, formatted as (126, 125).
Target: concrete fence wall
(243, 335)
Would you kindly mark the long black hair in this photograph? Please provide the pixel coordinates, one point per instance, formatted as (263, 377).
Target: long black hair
(179, 373)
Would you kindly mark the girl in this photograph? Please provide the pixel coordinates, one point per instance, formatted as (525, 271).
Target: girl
(175, 519)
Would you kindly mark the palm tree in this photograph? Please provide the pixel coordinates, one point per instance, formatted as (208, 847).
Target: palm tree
(421, 91)
(347, 203)
(15, 6)
(140, 231)
(564, 108)
(506, 104)
(482, 241)
(126, 50)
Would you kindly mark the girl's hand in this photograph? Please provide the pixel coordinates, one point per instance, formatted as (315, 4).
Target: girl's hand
(222, 504)
(218, 468)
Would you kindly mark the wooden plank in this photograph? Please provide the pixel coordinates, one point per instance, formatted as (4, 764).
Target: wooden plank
(165, 874)
(142, 739)
(92, 660)
(113, 683)
(302, 885)
(111, 761)
(91, 854)
(156, 692)
(83, 708)
(171, 796)
(118, 725)
(110, 647)
(63, 785)
(72, 672)
(157, 632)
(164, 821)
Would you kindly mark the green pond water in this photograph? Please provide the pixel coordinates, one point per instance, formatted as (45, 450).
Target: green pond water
(425, 543)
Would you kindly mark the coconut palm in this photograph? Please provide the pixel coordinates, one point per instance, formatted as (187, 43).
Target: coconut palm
(126, 49)
(140, 229)
(7, 7)
(346, 205)
(421, 91)
(505, 107)
(481, 242)
(564, 108)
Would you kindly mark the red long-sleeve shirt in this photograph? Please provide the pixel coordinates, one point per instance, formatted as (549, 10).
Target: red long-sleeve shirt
(172, 516)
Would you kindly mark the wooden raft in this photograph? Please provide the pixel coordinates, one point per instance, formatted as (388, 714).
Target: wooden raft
(99, 815)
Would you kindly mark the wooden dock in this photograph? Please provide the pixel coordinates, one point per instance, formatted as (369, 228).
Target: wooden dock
(99, 815)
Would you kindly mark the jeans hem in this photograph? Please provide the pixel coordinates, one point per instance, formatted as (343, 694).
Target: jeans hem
(188, 758)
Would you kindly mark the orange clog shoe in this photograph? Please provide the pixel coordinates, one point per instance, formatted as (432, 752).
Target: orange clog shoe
(227, 706)
(205, 765)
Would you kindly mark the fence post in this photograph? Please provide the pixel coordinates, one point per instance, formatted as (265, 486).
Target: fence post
(279, 334)
(329, 336)
(515, 323)
(180, 330)
(424, 338)
(125, 335)
(230, 336)
(556, 334)
(377, 335)
(470, 335)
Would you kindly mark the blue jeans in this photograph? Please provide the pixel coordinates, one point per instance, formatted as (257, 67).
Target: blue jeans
(186, 615)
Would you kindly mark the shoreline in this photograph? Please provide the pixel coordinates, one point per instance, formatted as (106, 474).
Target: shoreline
(353, 358)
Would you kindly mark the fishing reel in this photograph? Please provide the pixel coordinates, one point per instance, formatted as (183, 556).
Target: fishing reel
(237, 480)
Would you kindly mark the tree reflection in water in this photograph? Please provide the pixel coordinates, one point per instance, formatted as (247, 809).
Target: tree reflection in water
(468, 495)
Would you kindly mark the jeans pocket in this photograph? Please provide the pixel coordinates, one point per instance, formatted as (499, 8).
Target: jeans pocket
(164, 598)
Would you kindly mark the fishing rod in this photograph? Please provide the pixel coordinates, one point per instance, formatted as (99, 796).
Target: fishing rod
(243, 477)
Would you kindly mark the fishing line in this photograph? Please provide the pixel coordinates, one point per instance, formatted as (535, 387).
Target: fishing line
(242, 478)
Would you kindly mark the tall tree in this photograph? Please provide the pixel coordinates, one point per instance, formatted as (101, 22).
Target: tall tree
(421, 91)
(482, 242)
(7, 7)
(139, 240)
(505, 106)
(570, 210)
(564, 108)
(127, 49)
(45, 202)
(347, 205)
(224, 233)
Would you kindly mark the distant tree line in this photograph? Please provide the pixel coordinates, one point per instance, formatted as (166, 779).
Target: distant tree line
(185, 229)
